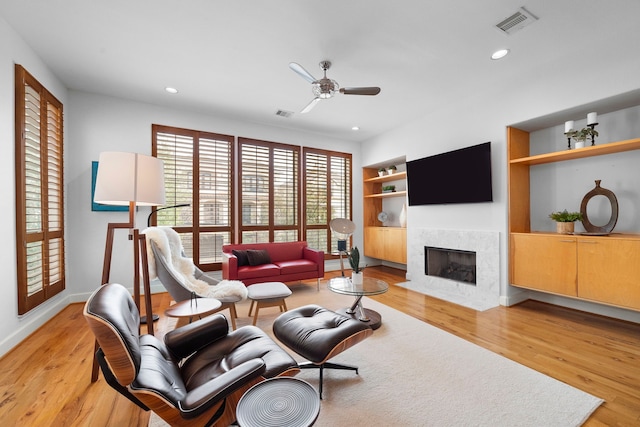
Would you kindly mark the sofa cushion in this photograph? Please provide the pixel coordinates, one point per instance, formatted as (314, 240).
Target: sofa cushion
(296, 266)
(258, 257)
(264, 270)
(242, 256)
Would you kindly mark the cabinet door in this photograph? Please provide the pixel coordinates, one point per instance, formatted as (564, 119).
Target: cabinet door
(389, 244)
(373, 242)
(545, 263)
(609, 271)
(395, 245)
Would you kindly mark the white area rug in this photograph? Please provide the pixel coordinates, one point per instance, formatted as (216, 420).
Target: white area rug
(413, 374)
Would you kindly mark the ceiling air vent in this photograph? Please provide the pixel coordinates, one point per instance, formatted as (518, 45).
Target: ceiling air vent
(516, 22)
(283, 113)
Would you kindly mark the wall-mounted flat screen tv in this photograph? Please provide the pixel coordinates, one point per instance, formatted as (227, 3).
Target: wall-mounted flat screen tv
(459, 176)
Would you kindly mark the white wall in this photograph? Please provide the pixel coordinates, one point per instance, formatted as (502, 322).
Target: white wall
(95, 123)
(483, 116)
(99, 123)
(14, 328)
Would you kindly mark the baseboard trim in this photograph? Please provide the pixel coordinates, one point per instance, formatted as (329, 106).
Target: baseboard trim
(38, 317)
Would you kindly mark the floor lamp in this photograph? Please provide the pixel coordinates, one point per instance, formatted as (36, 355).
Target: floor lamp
(343, 229)
(129, 179)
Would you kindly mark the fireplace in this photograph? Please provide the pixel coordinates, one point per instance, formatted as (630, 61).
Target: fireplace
(452, 264)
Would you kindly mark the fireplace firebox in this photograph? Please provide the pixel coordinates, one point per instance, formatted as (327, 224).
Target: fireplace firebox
(452, 264)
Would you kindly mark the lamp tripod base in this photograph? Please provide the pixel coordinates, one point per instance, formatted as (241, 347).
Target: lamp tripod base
(143, 319)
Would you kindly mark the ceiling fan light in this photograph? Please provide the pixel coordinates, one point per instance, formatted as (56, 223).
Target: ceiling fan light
(324, 88)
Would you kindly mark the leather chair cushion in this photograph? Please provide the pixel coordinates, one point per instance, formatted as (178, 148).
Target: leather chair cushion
(296, 266)
(158, 372)
(316, 333)
(264, 270)
(241, 345)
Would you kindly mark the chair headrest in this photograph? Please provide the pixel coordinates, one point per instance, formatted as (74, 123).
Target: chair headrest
(114, 319)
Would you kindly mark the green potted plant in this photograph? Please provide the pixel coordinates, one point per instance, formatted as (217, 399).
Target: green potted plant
(381, 171)
(392, 169)
(388, 188)
(580, 136)
(565, 220)
(354, 261)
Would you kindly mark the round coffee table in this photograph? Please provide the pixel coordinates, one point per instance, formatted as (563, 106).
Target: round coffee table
(369, 286)
(190, 308)
(280, 401)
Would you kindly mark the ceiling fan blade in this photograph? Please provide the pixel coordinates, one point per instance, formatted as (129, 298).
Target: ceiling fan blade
(310, 105)
(302, 72)
(360, 90)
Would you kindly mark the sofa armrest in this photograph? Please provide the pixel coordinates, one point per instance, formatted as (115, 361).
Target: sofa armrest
(201, 398)
(188, 339)
(315, 256)
(229, 266)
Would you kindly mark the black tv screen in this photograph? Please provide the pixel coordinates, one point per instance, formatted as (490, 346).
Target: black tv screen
(459, 176)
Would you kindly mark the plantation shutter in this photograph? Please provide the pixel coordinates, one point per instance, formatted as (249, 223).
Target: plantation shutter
(270, 191)
(39, 192)
(198, 170)
(327, 185)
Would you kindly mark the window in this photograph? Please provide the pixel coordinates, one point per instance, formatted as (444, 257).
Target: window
(39, 192)
(270, 191)
(270, 194)
(198, 170)
(327, 190)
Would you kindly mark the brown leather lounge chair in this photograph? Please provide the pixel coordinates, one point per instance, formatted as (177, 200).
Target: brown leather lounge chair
(195, 376)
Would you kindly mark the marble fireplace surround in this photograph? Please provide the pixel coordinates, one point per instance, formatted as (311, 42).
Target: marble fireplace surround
(486, 244)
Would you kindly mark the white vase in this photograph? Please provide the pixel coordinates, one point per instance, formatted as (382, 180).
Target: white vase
(579, 144)
(403, 216)
(356, 278)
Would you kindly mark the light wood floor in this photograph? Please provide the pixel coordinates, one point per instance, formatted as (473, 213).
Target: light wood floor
(45, 380)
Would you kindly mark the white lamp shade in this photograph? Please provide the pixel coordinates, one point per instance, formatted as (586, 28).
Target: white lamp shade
(342, 227)
(129, 177)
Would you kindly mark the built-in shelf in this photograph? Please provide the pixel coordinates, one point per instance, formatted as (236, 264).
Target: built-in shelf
(579, 153)
(386, 178)
(385, 195)
(578, 266)
(383, 243)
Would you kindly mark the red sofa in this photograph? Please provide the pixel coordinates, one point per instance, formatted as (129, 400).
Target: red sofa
(287, 262)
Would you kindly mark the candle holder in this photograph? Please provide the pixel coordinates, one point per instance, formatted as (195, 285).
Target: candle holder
(593, 133)
(568, 135)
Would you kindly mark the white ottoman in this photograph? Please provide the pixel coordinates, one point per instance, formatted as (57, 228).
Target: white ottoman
(268, 294)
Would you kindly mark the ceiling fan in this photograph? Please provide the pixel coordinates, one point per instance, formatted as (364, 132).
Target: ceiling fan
(325, 88)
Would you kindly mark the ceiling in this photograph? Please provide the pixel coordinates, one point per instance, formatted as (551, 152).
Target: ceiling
(230, 58)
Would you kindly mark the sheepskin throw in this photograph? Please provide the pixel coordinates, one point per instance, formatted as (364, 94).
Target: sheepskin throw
(183, 269)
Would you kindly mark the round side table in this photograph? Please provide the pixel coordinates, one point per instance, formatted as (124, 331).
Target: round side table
(280, 401)
(197, 307)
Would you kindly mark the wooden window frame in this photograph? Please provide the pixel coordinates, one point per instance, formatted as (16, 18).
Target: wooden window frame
(51, 145)
(329, 252)
(271, 227)
(196, 228)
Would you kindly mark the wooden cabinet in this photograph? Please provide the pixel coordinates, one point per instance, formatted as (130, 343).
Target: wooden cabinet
(385, 243)
(388, 243)
(600, 269)
(545, 263)
(609, 270)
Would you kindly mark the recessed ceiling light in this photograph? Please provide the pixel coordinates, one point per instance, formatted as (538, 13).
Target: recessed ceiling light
(171, 89)
(355, 128)
(498, 54)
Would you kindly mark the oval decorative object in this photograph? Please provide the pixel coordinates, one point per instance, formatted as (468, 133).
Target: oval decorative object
(382, 216)
(599, 191)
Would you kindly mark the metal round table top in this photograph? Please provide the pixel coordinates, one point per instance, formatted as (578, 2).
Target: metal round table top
(277, 402)
(369, 286)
